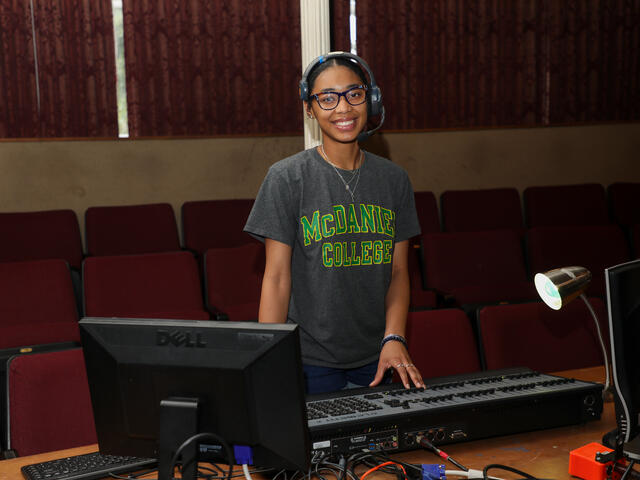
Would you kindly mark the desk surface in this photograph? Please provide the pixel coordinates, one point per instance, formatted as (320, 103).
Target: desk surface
(544, 454)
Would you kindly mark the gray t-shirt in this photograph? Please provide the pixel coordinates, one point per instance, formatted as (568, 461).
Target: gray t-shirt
(342, 250)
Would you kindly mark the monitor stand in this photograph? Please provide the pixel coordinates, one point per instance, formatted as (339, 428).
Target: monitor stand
(178, 422)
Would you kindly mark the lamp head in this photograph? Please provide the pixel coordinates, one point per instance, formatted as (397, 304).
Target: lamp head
(560, 286)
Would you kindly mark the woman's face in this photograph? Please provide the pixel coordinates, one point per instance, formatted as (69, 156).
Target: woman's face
(346, 121)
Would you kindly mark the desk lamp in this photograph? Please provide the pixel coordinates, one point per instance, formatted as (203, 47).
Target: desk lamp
(559, 287)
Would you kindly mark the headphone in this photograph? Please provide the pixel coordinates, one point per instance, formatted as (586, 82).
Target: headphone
(374, 95)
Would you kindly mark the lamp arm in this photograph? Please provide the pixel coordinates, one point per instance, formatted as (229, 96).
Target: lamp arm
(601, 339)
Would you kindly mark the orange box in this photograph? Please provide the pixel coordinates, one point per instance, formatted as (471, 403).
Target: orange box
(582, 462)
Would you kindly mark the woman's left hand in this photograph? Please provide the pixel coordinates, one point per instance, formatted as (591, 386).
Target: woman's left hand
(394, 355)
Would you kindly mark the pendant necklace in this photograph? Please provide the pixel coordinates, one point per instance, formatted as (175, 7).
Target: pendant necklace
(356, 175)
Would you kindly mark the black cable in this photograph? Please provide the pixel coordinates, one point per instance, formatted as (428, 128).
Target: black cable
(508, 469)
(373, 459)
(370, 459)
(383, 454)
(203, 436)
(343, 467)
(132, 476)
(628, 470)
(216, 476)
(214, 468)
(318, 474)
(426, 444)
(352, 466)
(218, 473)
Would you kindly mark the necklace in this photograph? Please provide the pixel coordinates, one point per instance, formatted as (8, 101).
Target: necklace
(356, 174)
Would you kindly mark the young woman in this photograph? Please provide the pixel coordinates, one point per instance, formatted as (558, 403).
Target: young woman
(336, 222)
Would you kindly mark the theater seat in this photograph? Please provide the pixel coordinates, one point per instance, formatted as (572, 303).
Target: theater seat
(234, 280)
(624, 203)
(215, 224)
(156, 285)
(37, 304)
(484, 209)
(564, 205)
(41, 235)
(441, 342)
(535, 336)
(420, 296)
(131, 229)
(470, 268)
(429, 219)
(635, 245)
(49, 405)
(594, 247)
(427, 210)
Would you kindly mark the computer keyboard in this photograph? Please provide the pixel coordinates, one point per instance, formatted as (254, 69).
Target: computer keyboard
(85, 467)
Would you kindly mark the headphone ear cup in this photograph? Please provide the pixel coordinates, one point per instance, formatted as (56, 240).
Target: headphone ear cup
(374, 103)
(304, 90)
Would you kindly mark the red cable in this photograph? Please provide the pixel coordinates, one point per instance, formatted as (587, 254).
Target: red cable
(380, 466)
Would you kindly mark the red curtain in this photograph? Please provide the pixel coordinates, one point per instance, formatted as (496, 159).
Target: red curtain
(72, 71)
(201, 67)
(481, 63)
(453, 64)
(76, 64)
(594, 60)
(18, 101)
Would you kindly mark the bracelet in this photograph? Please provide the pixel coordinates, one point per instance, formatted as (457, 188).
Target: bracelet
(394, 337)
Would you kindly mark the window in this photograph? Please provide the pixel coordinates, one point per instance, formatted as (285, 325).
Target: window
(121, 77)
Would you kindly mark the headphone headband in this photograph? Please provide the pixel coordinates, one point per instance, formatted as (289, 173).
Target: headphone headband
(374, 98)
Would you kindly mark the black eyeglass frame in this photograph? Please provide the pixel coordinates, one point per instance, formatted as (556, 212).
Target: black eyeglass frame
(341, 94)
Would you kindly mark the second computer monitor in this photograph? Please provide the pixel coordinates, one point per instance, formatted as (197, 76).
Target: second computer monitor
(244, 378)
(623, 299)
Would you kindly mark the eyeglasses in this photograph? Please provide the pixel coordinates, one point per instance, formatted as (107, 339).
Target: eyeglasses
(354, 96)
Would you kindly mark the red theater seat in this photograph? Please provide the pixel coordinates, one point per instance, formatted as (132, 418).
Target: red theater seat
(477, 267)
(131, 229)
(37, 304)
(429, 219)
(41, 235)
(427, 210)
(635, 235)
(565, 205)
(157, 285)
(594, 247)
(420, 296)
(215, 224)
(234, 281)
(535, 336)
(476, 210)
(49, 405)
(441, 342)
(624, 203)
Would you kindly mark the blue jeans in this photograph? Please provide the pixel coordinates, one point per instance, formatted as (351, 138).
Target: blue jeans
(327, 379)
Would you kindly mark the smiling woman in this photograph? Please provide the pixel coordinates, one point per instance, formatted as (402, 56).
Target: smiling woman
(336, 221)
(340, 120)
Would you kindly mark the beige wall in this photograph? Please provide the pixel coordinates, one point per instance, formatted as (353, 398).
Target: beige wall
(77, 174)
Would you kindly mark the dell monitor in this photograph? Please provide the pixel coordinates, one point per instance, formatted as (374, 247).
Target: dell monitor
(623, 302)
(157, 383)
